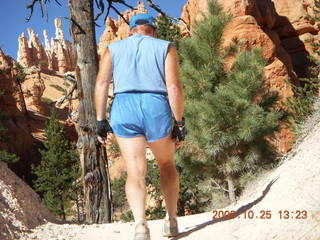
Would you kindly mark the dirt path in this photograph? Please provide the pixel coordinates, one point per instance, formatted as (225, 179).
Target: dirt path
(288, 198)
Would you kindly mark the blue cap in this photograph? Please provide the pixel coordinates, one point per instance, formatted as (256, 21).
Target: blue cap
(141, 19)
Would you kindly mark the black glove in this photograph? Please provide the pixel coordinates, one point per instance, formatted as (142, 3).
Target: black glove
(103, 128)
(179, 131)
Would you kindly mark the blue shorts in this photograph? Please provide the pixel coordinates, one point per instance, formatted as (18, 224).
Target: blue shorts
(141, 114)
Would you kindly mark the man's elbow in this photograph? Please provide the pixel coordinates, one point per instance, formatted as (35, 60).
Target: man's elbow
(175, 89)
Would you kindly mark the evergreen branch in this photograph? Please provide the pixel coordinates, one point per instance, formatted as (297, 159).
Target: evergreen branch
(162, 13)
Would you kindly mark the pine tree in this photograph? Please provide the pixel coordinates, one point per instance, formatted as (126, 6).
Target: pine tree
(229, 113)
(58, 169)
(168, 30)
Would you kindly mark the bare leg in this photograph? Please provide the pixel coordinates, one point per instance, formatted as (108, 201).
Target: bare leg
(133, 150)
(163, 150)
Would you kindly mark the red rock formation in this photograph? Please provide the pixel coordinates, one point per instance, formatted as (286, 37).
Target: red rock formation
(263, 10)
(292, 19)
(55, 55)
(24, 55)
(33, 88)
(11, 98)
(118, 29)
(294, 28)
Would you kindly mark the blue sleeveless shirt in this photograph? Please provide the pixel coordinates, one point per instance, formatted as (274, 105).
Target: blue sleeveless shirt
(138, 64)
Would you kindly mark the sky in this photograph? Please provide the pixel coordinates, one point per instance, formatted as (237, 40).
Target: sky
(13, 14)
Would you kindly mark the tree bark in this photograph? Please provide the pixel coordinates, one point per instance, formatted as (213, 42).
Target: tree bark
(97, 193)
(231, 188)
(62, 208)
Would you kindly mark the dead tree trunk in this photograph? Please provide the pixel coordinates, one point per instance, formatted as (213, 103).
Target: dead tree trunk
(231, 188)
(97, 194)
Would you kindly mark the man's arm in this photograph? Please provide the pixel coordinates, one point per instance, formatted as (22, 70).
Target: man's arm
(102, 84)
(174, 85)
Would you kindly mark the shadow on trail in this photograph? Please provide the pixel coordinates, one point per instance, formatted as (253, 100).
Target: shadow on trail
(239, 211)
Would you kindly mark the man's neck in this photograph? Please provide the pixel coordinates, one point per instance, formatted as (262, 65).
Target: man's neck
(144, 33)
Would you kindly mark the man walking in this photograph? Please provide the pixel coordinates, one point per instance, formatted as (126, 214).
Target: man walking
(148, 93)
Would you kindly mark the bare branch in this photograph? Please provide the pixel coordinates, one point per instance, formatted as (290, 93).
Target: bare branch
(116, 10)
(97, 4)
(46, 10)
(108, 11)
(218, 185)
(31, 6)
(75, 23)
(100, 6)
(58, 3)
(185, 25)
(41, 7)
(156, 7)
(68, 96)
(124, 3)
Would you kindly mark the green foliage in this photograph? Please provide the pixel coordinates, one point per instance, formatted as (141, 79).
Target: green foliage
(4, 155)
(167, 30)
(4, 71)
(59, 168)
(114, 147)
(58, 88)
(228, 112)
(118, 192)
(301, 103)
(153, 181)
(193, 198)
(43, 63)
(3, 129)
(21, 74)
(316, 10)
(46, 100)
(127, 216)
(119, 202)
(8, 157)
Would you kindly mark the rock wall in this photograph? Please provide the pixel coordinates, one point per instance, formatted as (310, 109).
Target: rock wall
(55, 55)
(18, 134)
(286, 22)
(280, 27)
(20, 207)
(118, 29)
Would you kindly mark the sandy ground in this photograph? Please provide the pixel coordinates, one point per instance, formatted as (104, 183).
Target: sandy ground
(284, 204)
